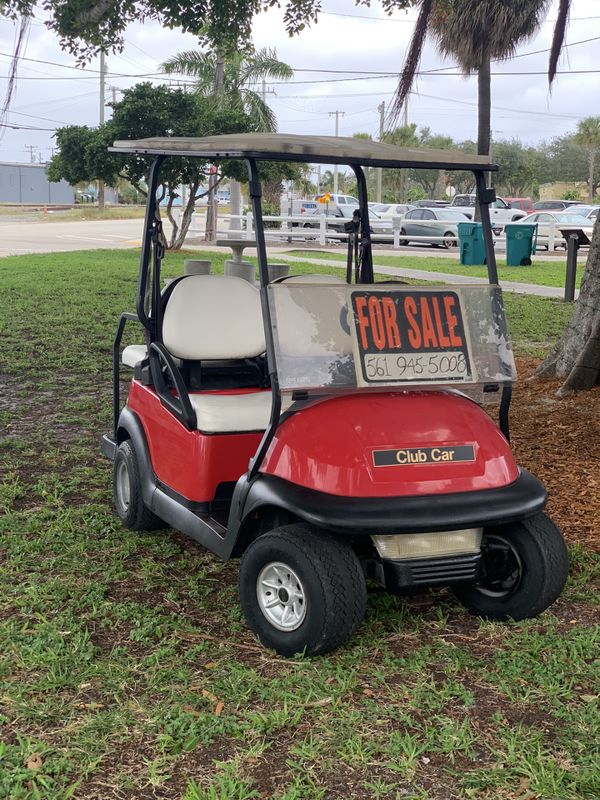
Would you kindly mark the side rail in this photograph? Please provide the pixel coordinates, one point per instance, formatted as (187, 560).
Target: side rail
(125, 317)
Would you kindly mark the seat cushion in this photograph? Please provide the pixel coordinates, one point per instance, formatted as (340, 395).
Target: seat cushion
(229, 413)
(134, 353)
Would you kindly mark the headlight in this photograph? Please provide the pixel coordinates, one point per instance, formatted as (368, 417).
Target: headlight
(428, 545)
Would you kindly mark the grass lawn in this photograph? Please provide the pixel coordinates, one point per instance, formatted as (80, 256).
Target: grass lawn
(118, 649)
(544, 273)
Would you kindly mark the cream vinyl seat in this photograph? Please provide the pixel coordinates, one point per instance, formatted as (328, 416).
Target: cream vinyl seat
(218, 318)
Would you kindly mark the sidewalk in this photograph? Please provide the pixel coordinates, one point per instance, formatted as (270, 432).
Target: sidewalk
(442, 277)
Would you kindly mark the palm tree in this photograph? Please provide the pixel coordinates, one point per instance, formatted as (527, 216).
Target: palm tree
(588, 136)
(242, 73)
(232, 81)
(576, 355)
(473, 33)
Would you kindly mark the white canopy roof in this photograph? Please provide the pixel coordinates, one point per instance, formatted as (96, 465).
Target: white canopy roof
(317, 149)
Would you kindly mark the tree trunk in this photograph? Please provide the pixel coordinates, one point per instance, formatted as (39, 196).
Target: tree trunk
(576, 356)
(484, 111)
(186, 217)
(484, 105)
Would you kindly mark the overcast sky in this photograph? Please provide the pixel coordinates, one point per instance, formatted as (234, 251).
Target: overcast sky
(346, 37)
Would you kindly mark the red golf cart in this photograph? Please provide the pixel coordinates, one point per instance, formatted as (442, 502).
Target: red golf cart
(329, 430)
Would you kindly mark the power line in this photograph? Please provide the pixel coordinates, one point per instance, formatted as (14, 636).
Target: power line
(412, 21)
(296, 69)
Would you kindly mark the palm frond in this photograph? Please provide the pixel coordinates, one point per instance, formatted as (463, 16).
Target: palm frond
(264, 64)
(194, 63)
(473, 31)
(558, 38)
(411, 64)
(263, 118)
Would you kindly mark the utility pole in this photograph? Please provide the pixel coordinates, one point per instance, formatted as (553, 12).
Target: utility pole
(101, 118)
(403, 172)
(337, 115)
(381, 109)
(210, 233)
(32, 148)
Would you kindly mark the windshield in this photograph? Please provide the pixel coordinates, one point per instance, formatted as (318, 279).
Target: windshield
(573, 219)
(448, 213)
(394, 336)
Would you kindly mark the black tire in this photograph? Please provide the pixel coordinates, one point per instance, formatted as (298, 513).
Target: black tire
(330, 581)
(131, 510)
(402, 241)
(525, 567)
(449, 240)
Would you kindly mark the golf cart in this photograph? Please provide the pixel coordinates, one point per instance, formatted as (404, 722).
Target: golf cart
(329, 430)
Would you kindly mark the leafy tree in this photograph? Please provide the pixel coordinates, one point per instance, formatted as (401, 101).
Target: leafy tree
(85, 27)
(518, 167)
(588, 136)
(147, 111)
(565, 160)
(472, 33)
(431, 180)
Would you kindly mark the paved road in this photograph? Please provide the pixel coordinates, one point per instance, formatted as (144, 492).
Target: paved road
(18, 237)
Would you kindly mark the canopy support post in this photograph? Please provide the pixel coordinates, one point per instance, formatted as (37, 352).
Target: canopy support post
(150, 225)
(486, 196)
(255, 192)
(366, 255)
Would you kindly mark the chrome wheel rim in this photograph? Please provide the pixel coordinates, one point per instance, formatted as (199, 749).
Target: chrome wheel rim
(123, 486)
(502, 567)
(281, 596)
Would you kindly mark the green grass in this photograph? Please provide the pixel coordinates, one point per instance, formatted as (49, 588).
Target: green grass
(542, 273)
(115, 647)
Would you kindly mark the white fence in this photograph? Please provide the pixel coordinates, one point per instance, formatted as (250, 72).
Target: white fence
(317, 228)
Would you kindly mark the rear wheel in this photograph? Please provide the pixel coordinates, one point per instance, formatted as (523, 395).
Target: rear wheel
(127, 492)
(302, 591)
(524, 570)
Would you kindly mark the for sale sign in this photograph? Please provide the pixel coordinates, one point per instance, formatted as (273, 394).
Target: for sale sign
(404, 336)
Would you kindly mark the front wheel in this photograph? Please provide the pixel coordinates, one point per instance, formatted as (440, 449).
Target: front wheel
(402, 241)
(301, 590)
(524, 570)
(449, 240)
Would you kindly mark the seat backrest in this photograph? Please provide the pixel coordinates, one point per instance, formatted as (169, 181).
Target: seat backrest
(310, 278)
(213, 317)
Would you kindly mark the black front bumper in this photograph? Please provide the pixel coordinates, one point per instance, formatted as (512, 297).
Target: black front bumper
(356, 516)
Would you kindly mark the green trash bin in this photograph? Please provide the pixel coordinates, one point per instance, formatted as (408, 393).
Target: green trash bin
(521, 242)
(472, 247)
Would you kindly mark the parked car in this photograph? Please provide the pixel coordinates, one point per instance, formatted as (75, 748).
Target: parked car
(395, 210)
(591, 212)
(562, 221)
(554, 205)
(500, 211)
(335, 199)
(338, 216)
(431, 203)
(522, 203)
(378, 207)
(434, 222)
